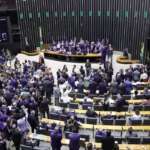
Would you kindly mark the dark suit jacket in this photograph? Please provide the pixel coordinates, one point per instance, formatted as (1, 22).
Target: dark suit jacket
(74, 141)
(108, 143)
(56, 139)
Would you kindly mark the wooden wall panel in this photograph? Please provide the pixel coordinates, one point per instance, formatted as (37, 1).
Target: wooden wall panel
(124, 22)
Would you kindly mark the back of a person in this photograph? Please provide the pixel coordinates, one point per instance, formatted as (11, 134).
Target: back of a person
(136, 75)
(56, 140)
(74, 141)
(108, 142)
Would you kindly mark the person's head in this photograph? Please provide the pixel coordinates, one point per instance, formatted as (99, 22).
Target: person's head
(136, 92)
(130, 130)
(89, 146)
(27, 131)
(33, 112)
(72, 117)
(108, 133)
(56, 130)
(137, 112)
(14, 125)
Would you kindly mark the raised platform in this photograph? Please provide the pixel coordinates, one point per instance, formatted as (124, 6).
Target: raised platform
(125, 60)
(72, 58)
(30, 53)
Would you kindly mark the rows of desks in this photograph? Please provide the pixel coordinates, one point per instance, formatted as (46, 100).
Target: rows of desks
(97, 145)
(132, 101)
(105, 113)
(99, 126)
(113, 113)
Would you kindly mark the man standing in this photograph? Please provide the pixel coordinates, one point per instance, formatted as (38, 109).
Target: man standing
(16, 136)
(57, 95)
(56, 137)
(33, 120)
(74, 141)
(108, 141)
(88, 67)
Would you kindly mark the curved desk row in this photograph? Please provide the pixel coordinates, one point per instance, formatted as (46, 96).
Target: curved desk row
(99, 126)
(73, 58)
(64, 141)
(34, 53)
(125, 60)
(131, 101)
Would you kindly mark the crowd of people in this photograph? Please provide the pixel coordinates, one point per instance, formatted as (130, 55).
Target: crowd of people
(27, 89)
(74, 47)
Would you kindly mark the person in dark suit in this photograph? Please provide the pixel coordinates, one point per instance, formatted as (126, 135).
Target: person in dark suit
(16, 136)
(44, 107)
(120, 102)
(2, 144)
(33, 121)
(56, 137)
(88, 67)
(108, 141)
(102, 87)
(74, 141)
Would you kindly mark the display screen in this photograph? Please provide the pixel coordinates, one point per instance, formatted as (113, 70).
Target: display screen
(4, 35)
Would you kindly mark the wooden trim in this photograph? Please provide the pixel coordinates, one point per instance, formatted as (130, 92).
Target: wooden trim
(125, 60)
(30, 54)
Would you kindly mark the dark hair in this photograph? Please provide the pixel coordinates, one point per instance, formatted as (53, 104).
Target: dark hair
(89, 146)
(108, 133)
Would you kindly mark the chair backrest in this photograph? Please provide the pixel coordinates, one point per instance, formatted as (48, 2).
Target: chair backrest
(91, 120)
(124, 108)
(141, 96)
(41, 148)
(63, 117)
(54, 116)
(120, 122)
(85, 136)
(98, 107)
(79, 95)
(146, 122)
(65, 105)
(85, 106)
(43, 131)
(146, 140)
(118, 139)
(136, 122)
(81, 119)
(127, 97)
(72, 94)
(112, 108)
(134, 140)
(147, 107)
(138, 107)
(73, 106)
(98, 138)
(108, 121)
(25, 147)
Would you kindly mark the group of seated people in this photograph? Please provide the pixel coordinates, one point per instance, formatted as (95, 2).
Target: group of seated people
(27, 90)
(80, 47)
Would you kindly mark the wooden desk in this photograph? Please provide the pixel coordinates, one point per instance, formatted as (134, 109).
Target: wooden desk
(64, 141)
(125, 60)
(106, 127)
(75, 58)
(141, 83)
(132, 101)
(114, 113)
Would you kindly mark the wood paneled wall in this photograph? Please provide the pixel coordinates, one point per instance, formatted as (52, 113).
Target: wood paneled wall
(124, 22)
